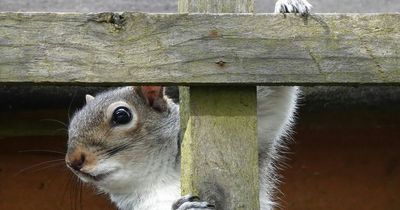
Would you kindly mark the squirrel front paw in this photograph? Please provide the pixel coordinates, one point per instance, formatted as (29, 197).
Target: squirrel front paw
(293, 6)
(190, 202)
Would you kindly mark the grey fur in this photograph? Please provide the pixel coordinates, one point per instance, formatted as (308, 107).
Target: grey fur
(144, 157)
(152, 150)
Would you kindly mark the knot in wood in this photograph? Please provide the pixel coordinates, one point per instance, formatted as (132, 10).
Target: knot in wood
(220, 63)
(214, 34)
(117, 20)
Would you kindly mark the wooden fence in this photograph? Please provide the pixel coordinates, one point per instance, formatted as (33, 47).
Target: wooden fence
(218, 57)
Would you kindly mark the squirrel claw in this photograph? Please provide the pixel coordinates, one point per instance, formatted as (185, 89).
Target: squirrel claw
(293, 6)
(190, 202)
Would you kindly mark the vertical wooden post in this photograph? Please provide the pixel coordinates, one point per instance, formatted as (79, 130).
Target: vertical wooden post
(219, 149)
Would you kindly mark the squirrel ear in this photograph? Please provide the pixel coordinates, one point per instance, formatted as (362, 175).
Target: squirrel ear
(154, 97)
(88, 98)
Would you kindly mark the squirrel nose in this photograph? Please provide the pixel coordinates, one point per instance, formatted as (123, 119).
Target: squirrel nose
(77, 162)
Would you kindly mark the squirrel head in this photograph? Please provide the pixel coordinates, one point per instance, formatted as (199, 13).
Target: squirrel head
(122, 135)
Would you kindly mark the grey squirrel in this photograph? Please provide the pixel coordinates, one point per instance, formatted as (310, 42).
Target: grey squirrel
(125, 142)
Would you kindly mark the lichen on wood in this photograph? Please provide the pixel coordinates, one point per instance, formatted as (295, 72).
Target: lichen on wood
(220, 149)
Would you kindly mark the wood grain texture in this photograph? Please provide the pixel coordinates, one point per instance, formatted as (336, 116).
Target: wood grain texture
(262, 49)
(216, 6)
(220, 150)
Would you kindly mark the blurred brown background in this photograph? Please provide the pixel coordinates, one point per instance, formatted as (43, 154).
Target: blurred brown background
(345, 153)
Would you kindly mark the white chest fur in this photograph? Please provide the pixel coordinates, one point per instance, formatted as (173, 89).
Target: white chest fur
(159, 196)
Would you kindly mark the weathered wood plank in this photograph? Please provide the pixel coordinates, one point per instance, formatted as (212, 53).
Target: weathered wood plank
(136, 48)
(216, 6)
(220, 150)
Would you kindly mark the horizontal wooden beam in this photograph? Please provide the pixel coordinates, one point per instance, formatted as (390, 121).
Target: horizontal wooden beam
(196, 49)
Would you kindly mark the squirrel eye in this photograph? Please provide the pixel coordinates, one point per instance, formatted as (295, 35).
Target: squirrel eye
(121, 115)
